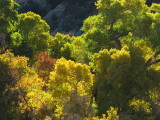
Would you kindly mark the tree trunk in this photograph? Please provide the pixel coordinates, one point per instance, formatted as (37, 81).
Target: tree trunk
(118, 43)
(2, 40)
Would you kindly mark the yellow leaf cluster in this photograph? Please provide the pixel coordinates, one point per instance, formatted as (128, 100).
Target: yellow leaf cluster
(69, 77)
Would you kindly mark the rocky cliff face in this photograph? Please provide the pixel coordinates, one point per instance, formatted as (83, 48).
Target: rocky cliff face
(68, 18)
(37, 6)
(65, 16)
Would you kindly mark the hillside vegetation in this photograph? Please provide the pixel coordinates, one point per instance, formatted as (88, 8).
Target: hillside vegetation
(110, 72)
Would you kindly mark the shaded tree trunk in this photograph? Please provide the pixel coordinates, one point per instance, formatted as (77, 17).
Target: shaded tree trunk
(2, 40)
(118, 43)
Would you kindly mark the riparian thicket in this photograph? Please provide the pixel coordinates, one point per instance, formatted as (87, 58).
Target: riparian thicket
(110, 72)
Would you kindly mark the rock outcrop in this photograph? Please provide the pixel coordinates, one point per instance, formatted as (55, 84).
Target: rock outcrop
(68, 18)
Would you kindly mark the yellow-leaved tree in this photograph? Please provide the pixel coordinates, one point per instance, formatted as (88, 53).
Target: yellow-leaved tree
(71, 86)
(21, 90)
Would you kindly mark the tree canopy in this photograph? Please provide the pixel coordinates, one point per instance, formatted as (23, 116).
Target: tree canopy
(8, 17)
(110, 72)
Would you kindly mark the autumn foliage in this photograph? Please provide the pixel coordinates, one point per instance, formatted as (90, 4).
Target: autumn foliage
(110, 72)
(44, 64)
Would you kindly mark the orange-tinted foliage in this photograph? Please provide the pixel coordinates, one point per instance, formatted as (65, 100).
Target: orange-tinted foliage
(45, 64)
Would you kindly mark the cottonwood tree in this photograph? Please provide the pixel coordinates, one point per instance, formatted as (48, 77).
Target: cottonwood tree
(8, 17)
(34, 31)
(120, 18)
(71, 86)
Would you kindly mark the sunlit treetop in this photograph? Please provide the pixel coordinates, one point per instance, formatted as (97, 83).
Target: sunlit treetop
(119, 18)
(34, 31)
(8, 14)
(8, 18)
(70, 77)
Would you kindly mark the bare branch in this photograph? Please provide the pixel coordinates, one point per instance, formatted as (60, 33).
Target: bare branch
(150, 60)
(111, 27)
